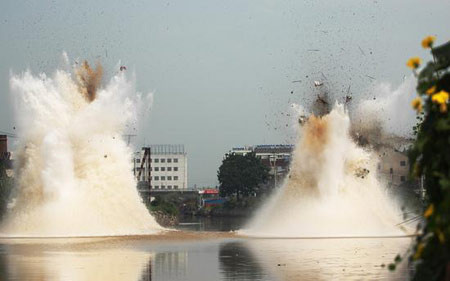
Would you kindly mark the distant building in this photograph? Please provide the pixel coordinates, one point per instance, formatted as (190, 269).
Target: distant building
(393, 166)
(276, 157)
(161, 167)
(6, 156)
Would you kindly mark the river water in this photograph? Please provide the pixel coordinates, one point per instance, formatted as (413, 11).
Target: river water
(200, 256)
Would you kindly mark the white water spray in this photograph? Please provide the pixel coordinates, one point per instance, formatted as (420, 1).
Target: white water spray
(73, 169)
(332, 189)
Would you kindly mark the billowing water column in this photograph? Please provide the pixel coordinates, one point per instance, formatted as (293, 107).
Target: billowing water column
(73, 169)
(332, 189)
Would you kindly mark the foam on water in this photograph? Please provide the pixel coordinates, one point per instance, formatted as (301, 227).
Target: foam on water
(328, 192)
(73, 169)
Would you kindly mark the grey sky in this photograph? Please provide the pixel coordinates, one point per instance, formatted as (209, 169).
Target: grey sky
(221, 71)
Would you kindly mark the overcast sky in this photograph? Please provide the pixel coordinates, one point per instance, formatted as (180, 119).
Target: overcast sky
(222, 71)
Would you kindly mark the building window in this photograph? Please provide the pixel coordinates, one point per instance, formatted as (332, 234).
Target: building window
(175, 187)
(163, 178)
(156, 160)
(169, 178)
(402, 178)
(150, 160)
(169, 187)
(163, 169)
(163, 160)
(402, 163)
(156, 169)
(175, 169)
(169, 160)
(391, 171)
(175, 160)
(156, 186)
(151, 178)
(163, 187)
(175, 178)
(156, 178)
(138, 160)
(169, 169)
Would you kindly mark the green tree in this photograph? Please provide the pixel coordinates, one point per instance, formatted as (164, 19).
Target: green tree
(430, 159)
(241, 175)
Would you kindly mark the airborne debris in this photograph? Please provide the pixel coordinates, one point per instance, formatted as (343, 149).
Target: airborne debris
(318, 83)
(320, 99)
(123, 67)
(348, 98)
(302, 119)
(361, 172)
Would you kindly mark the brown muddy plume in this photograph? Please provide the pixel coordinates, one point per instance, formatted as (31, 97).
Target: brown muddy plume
(304, 167)
(89, 79)
(325, 194)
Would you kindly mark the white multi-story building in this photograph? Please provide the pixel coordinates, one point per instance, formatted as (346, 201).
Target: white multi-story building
(161, 167)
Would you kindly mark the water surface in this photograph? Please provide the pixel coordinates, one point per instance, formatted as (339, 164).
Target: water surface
(212, 257)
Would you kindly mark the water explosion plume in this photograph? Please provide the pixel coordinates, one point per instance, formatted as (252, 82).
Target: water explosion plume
(73, 169)
(332, 189)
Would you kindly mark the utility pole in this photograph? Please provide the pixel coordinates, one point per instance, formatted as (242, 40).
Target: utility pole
(128, 138)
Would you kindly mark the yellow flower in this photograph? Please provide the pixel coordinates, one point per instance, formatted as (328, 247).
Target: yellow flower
(417, 104)
(431, 90)
(419, 251)
(414, 62)
(428, 41)
(440, 236)
(429, 211)
(441, 98)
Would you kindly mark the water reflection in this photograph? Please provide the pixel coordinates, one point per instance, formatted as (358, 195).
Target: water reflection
(217, 259)
(170, 265)
(330, 259)
(237, 262)
(89, 265)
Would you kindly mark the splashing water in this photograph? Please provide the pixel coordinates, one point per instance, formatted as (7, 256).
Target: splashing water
(73, 170)
(332, 189)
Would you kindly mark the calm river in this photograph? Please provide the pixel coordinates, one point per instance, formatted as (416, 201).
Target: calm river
(212, 256)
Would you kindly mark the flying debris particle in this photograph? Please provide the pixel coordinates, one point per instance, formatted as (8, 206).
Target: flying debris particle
(370, 77)
(297, 81)
(348, 98)
(361, 172)
(122, 68)
(302, 119)
(320, 99)
(106, 156)
(318, 83)
(292, 92)
(313, 50)
(362, 52)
